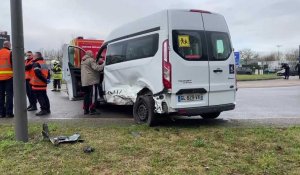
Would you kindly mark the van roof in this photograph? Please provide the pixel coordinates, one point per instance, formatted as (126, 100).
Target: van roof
(155, 21)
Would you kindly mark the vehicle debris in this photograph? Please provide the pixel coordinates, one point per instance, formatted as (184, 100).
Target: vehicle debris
(60, 139)
(88, 149)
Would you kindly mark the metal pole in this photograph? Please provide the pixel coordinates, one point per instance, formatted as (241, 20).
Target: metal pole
(21, 122)
(299, 54)
(278, 46)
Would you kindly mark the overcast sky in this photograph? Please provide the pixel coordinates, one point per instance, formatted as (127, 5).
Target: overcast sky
(259, 25)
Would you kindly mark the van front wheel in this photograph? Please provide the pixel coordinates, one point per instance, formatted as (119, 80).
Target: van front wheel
(210, 115)
(143, 110)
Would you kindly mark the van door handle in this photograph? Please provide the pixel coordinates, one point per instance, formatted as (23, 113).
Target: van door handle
(218, 70)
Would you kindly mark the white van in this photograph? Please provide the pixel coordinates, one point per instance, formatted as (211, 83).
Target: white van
(174, 61)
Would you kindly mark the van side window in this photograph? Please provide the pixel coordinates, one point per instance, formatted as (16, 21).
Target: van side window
(142, 47)
(115, 53)
(132, 49)
(220, 46)
(190, 45)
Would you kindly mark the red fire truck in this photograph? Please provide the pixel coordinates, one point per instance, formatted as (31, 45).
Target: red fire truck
(71, 63)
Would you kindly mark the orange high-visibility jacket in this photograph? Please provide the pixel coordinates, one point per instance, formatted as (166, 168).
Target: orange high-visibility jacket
(28, 73)
(36, 83)
(6, 71)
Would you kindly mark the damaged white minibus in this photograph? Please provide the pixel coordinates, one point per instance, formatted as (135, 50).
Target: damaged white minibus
(172, 62)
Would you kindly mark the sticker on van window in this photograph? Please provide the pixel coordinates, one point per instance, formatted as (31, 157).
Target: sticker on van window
(184, 41)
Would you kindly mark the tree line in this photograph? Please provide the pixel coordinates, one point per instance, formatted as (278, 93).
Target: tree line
(249, 56)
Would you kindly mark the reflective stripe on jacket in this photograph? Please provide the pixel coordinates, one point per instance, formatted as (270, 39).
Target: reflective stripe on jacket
(6, 71)
(28, 73)
(57, 73)
(36, 83)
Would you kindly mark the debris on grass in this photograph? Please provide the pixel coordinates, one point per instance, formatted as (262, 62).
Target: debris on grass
(59, 139)
(136, 134)
(88, 149)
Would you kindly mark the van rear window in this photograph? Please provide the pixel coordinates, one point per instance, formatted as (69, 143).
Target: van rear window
(190, 45)
(220, 46)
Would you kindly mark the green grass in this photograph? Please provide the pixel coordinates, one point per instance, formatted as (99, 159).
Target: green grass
(163, 150)
(257, 77)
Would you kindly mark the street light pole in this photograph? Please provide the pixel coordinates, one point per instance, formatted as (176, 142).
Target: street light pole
(278, 46)
(21, 122)
(299, 54)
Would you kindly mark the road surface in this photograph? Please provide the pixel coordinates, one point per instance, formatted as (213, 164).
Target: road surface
(252, 103)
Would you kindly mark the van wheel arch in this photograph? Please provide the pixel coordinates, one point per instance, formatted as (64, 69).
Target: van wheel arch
(143, 108)
(144, 91)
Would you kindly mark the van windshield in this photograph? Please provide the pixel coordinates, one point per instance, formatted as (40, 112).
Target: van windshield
(190, 45)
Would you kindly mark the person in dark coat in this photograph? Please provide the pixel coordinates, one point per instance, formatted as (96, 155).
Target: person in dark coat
(298, 67)
(287, 71)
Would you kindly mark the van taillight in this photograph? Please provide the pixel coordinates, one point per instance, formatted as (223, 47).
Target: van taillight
(166, 65)
(200, 11)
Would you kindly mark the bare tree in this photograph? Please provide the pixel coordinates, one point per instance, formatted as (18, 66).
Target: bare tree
(248, 55)
(270, 57)
(291, 55)
(54, 54)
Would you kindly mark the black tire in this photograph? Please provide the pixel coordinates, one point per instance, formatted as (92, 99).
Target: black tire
(143, 110)
(210, 115)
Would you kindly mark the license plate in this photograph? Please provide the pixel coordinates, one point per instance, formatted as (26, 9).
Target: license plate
(190, 97)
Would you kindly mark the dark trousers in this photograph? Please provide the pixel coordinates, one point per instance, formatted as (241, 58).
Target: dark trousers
(30, 95)
(42, 98)
(88, 98)
(287, 74)
(56, 84)
(6, 97)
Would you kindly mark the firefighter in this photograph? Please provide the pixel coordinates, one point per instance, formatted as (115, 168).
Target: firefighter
(39, 81)
(57, 76)
(6, 81)
(28, 73)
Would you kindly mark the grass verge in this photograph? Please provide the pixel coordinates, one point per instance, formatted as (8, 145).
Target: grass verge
(257, 77)
(162, 150)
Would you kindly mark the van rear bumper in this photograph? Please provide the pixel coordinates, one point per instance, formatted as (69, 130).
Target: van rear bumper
(205, 109)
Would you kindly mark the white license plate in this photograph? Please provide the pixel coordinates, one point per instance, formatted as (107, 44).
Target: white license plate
(190, 97)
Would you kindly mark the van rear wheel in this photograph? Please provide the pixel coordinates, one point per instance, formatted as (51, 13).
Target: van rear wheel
(210, 115)
(143, 110)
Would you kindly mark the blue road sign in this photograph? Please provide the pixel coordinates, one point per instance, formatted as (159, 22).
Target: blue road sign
(237, 58)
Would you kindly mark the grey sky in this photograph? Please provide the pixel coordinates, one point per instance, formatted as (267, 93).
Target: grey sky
(259, 25)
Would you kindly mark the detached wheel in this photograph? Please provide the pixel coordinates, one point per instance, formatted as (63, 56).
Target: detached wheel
(143, 110)
(210, 115)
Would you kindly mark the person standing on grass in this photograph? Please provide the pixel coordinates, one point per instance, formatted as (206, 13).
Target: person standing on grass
(39, 81)
(298, 67)
(6, 81)
(28, 74)
(89, 77)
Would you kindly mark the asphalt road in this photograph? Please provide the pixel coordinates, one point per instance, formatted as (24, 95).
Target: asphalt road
(264, 103)
(279, 103)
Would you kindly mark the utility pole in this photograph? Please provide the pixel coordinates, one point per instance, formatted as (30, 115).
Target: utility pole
(299, 54)
(21, 122)
(278, 46)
